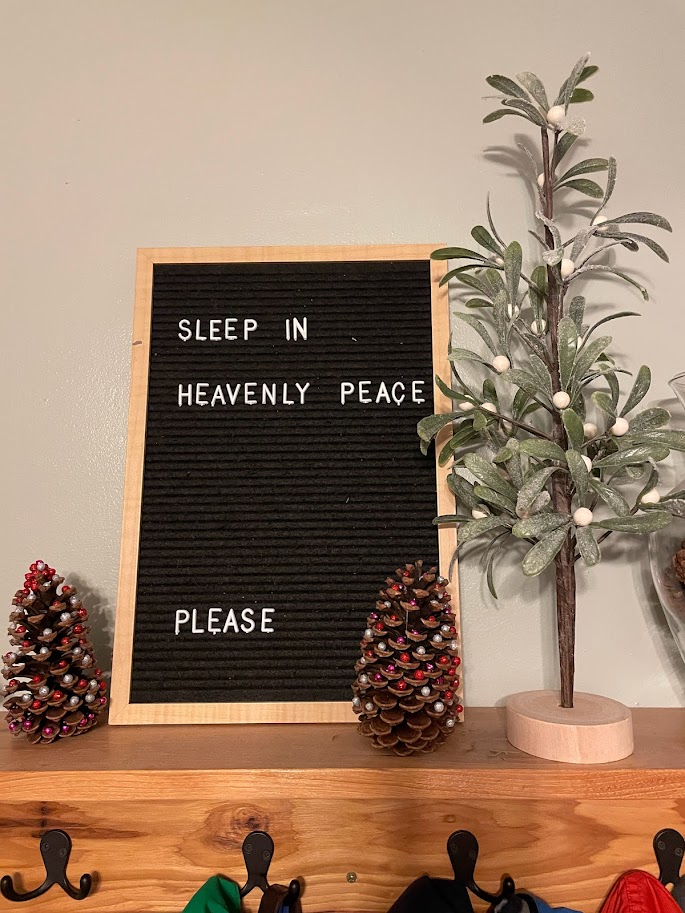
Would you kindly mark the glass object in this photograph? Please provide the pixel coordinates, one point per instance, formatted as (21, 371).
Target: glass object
(663, 545)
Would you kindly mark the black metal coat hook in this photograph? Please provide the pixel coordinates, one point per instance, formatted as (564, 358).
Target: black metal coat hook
(462, 848)
(258, 851)
(669, 847)
(55, 848)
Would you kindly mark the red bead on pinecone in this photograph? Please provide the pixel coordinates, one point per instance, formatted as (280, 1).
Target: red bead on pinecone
(405, 690)
(53, 689)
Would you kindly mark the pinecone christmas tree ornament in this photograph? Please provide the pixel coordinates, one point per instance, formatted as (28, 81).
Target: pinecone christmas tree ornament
(53, 688)
(679, 563)
(405, 693)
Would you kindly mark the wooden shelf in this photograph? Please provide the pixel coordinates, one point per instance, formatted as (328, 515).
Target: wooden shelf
(156, 810)
(478, 754)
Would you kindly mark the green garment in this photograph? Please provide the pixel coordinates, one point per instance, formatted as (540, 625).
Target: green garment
(218, 895)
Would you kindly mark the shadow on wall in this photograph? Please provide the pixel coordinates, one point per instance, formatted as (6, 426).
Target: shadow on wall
(100, 619)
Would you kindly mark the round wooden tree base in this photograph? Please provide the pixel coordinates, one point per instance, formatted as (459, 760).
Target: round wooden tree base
(594, 731)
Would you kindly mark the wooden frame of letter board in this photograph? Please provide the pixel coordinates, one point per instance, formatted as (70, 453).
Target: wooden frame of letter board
(122, 711)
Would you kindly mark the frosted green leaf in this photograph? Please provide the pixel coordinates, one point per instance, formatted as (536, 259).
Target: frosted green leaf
(466, 435)
(576, 311)
(529, 111)
(536, 88)
(457, 253)
(552, 227)
(486, 473)
(476, 528)
(491, 222)
(458, 354)
(612, 498)
(544, 552)
(531, 488)
(610, 269)
(587, 73)
(462, 489)
(585, 186)
(581, 95)
(639, 391)
(482, 236)
(507, 86)
(604, 402)
(428, 427)
(568, 86)
(534, 527)
(568, 342)
(541, 373)
(499, 113)
(504, 454)
(479, 327)
(580, 243)
(579, 473)
(552, 257)
(651, 483)
(501, 321)
(490, 496)
(609, 189)
(631, 456)
(573, 424)
(523, 380)
(494, 546)
(643, 218)
(612, 381)
(640, 239)
(588, 355)
(638, 525)
(537, 346)
(477, 303)
(587, 545)
(494, 280)
(649, 420)
(513, 258)
(563, 145)
(448, 391)
(458, 272)
(542, 450)
(475, 282)
(675, 507)
(540, 503)
(587, 166)
(667, 438)
(611, 317)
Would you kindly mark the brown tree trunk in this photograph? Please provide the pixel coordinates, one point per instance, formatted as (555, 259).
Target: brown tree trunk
(561, 488)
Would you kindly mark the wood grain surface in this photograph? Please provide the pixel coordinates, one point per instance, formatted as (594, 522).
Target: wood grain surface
(155, 811)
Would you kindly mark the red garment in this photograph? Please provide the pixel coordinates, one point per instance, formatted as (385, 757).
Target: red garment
(639, 892)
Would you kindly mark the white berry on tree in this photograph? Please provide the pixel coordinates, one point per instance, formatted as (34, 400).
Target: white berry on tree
(567, 268)
(589, 430)
(561, 399)
(620, 427)
(583, 516)
(599, 220)
(478, 514)
(541, 180)
(501, 363)
(556, 115)
(465, 407)
(651, 497)
(587, 461)
(489, 407)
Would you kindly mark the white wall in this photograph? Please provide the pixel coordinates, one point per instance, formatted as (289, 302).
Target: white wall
(198, 122)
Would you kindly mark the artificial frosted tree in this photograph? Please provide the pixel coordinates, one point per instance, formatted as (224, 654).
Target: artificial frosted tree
(539, 419)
